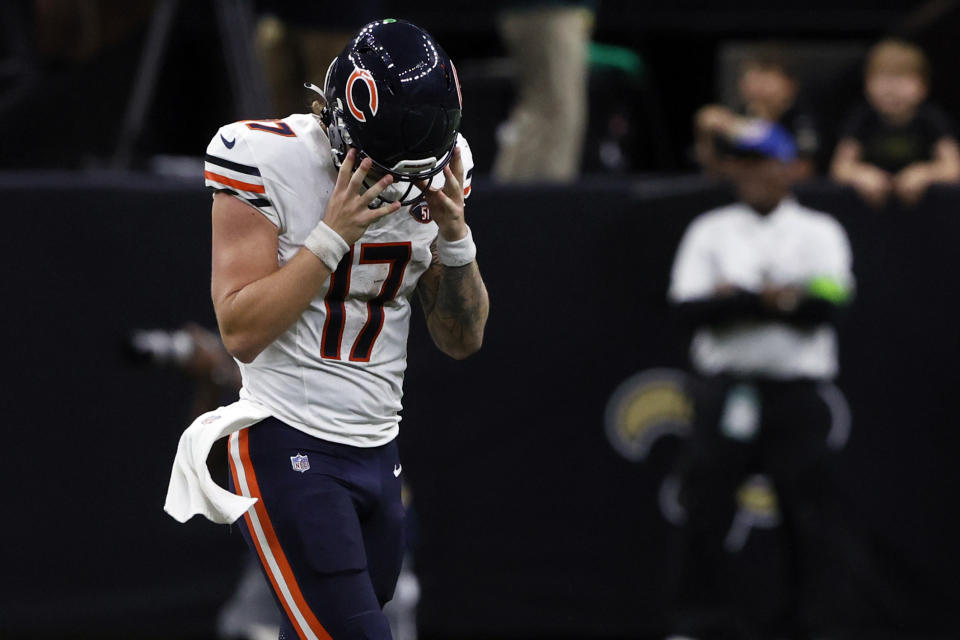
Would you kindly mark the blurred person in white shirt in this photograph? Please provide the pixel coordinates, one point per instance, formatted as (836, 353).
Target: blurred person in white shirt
(762, 282)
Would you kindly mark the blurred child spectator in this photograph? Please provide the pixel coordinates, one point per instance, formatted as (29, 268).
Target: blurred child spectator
(768, 91)
(896, 142)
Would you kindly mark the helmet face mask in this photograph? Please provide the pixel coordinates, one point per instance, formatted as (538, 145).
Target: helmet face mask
(406, 174)
(393, 94)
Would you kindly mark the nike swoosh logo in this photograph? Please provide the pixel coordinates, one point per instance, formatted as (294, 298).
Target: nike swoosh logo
(228, 143)
(396, 470)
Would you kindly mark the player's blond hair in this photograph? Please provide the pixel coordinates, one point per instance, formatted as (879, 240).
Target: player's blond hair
(898, 57)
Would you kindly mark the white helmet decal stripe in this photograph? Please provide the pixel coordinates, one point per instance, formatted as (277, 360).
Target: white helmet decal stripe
(364, 75)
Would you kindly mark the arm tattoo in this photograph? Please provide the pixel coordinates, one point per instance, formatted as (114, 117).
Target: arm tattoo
(460, 297)
(456, 305)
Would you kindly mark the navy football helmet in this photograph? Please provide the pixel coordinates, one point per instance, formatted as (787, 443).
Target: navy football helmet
(394, 95)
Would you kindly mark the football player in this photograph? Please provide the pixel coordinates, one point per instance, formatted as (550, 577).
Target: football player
(324, 225)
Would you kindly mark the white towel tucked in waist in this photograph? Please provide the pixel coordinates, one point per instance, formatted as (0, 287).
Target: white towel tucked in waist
(192, 491)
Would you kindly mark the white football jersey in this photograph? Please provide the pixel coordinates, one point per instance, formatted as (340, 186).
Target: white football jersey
(337, 373)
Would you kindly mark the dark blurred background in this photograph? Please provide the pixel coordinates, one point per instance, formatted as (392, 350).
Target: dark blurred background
(68, 82)
(529, 523)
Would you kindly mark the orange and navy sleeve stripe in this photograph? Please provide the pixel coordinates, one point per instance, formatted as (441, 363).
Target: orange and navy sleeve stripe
(241, 180)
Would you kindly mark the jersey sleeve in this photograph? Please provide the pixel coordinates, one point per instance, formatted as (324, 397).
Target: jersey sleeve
(230, 165)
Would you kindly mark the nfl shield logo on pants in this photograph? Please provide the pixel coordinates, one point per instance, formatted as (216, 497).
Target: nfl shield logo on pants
(299, 463)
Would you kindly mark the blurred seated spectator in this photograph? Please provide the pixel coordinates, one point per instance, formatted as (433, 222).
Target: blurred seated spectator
(75, 31)
(768, 91)
(50, 51)
(896, 142)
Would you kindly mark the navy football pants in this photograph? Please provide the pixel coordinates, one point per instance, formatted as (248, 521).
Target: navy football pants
(327, 528)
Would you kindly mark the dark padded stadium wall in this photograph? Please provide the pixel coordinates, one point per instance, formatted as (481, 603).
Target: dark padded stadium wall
(551, 532)
(529, 524)
(545, 528)
(89, 437)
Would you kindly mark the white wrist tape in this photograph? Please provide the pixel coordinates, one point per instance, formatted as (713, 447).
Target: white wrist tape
(326, 244)
(457, 253)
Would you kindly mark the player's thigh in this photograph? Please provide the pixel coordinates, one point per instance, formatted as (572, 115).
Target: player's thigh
(383, 528)
(310, 508)
(306, 531)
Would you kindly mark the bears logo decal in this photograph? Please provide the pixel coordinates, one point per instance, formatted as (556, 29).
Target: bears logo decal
(364, 76)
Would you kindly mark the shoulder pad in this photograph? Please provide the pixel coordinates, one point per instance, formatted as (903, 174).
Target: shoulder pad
(231, 165)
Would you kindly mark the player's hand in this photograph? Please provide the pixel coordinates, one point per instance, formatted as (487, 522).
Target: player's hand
(348, 211)
(911, 183)
(446, 204)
